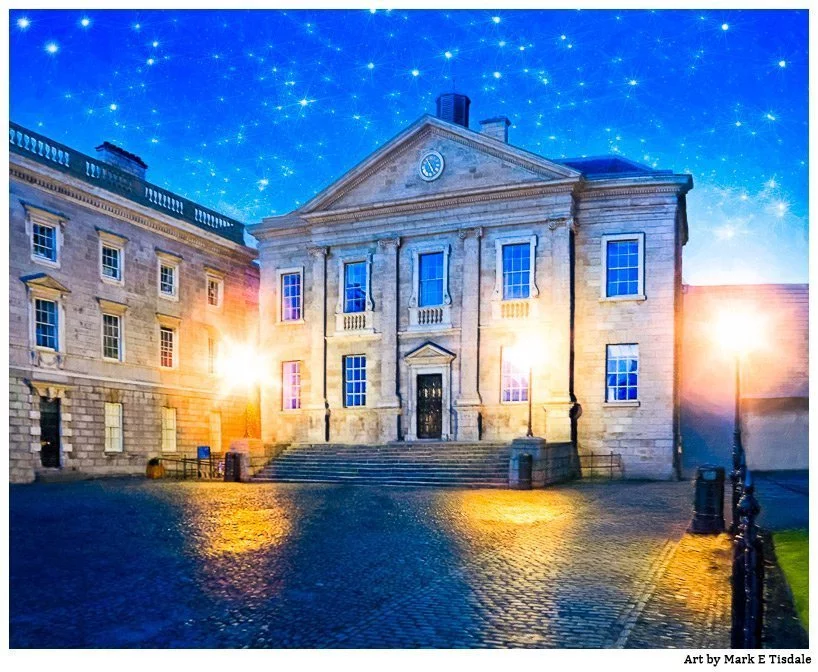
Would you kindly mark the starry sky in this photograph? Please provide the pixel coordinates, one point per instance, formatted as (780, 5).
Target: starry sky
(254, 112)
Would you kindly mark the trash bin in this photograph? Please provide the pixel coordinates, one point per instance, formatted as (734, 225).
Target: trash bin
(708, 500)
(236, 467)
(519, 471)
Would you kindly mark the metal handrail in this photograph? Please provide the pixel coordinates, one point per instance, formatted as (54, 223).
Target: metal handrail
(46, 151)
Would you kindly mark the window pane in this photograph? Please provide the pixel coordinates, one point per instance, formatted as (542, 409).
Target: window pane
(111, 337)
(622, 381)
(166, 347)
(355, 287)
(169, 429)
(515, 381)
(622, 272)
(213, 292)
(44, 242)
(167, 280)
(516, 271)
(291, 385)
(113, 427)
(45, 323)
(111, 262)
(431, 279)
(212, 354)
(355, 380)
(291, 296)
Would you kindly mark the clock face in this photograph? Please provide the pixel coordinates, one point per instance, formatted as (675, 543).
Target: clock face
(431, 166)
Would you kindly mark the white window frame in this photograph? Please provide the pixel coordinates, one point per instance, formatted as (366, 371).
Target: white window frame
(287, 386)
(212, 275)
(120, 356)
(280, 273)
(114, 242)
(212, 354)
(498, 302)
(525, 373)
(172, 323)
(113, 443)
(45, 218)
(58, 316)
(170, 261)
(46, 289)
(363, 322)
(169, 438)
(344, 381)
(623, 402)
(215, 438)
(640, 293)
(419, 315)
(114, 309)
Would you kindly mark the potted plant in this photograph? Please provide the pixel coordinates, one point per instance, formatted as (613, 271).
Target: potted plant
(155, 468)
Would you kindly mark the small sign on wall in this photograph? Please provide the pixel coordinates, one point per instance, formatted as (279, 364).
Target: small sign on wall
(203, 452)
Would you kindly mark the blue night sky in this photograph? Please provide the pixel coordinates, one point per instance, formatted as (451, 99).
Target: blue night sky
(254, 112)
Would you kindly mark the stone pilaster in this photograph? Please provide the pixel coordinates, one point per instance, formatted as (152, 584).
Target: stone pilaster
(468, 403)
(389, 402)
(317, 316)
(558, 403)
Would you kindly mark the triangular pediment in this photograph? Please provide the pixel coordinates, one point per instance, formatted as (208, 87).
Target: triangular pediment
(470, 161)
(44, 281)
(429, 353)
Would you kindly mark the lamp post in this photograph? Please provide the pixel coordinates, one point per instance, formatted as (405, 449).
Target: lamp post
(530, 433)
(739, 461)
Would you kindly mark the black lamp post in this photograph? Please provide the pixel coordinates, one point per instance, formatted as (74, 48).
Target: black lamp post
(739, 460)
(530, 433)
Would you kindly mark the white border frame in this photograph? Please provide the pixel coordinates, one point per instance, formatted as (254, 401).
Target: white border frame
(280, 273)
(171, 262)
(121, 318)
(603, 290)
(431, 152)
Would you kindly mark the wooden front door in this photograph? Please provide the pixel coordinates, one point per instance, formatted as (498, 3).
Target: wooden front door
(430, 405)
(50, 432)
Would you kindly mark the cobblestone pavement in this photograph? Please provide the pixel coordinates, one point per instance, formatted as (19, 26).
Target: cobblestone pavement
(131, 563)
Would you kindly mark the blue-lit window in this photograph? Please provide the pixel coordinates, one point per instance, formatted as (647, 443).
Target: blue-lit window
(516, 271)
(355, 287)
(291, 374)
(515, 381)
(355, 380)
(622, 271)
(622, 373)
(431, 279)
(45, 324)
(291, 296)
(44, 242)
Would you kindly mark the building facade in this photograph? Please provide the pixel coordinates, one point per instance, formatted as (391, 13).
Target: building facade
(453, 287)
(123, 298)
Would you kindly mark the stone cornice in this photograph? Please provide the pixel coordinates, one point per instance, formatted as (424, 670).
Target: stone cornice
(642, 186)
(109, 204)
(389, 243)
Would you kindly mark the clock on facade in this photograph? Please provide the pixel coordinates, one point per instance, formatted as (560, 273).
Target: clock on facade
(431, 166)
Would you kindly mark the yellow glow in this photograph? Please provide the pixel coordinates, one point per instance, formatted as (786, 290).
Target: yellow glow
(739, 332)
(240, 365)
(528, 351)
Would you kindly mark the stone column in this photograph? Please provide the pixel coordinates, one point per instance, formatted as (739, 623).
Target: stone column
(317, 317)
(389, 403)
(558, 403)
(468, 402)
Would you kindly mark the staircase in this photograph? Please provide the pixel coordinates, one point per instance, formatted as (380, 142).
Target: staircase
(417, 463)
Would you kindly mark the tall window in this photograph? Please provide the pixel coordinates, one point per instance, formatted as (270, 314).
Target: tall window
(355, 380)
(291, 296)
(291, 385)
(167, 280)
(622, 272)
(113, 428)
(622, 368)
(215, 431)
(45, 324)
(516, 271)
(111, 262)
(515, 381)
(44, 242)
(215, 288)
(168, 430)
(212, 354)
(355, 287)
(167, 347)
(111, 337)
(431, 279)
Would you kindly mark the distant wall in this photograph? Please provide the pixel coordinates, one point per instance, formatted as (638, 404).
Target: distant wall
(775, 378)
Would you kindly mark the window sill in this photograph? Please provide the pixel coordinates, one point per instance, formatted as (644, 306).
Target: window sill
(111, 281)
(629, 297)
(113, 453)
(45, 262)
(286, 322)
(168, 297)
(622, 404)
(112, 360)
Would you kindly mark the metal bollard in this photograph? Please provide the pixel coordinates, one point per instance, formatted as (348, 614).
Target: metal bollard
(748, 574)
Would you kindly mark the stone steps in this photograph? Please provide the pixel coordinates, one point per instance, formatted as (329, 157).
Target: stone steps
(416, 463)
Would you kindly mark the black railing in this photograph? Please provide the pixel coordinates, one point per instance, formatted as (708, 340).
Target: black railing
(206, 469)
(748, 572)
(601, 464)
(39, 148)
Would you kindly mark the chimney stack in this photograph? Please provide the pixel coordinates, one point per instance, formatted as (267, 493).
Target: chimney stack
(119, 158)
(453, 107)
(496, 127)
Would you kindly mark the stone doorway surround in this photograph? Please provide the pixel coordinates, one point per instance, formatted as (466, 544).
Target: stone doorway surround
(429, 358)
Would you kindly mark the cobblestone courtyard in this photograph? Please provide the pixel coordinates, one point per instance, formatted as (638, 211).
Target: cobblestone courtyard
(131, 563)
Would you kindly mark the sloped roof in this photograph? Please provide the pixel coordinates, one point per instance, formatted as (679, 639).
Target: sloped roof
(601, 167)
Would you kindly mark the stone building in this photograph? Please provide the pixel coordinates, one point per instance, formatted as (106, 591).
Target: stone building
(774, 378)
(122, 297)
(451, 281)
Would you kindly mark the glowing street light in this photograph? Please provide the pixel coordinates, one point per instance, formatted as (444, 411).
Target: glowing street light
(738, 333)
(240, 365)
(527, 352)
